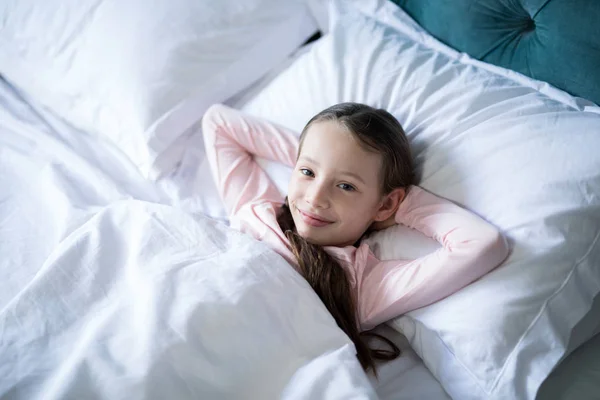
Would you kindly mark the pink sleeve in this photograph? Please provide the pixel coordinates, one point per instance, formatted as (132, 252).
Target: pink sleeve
(232, 139)
(471, 247)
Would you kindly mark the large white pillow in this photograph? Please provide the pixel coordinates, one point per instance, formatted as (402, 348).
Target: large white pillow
(519, 153)
(139, 73)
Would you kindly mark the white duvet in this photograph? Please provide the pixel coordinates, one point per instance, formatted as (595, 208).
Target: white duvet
(145, 301)
(107, 293)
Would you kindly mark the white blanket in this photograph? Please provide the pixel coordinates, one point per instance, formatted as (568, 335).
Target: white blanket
(145, 301)
(108, 292)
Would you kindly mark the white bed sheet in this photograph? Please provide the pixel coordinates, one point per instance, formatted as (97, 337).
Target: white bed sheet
(407, 377)
(577, 377)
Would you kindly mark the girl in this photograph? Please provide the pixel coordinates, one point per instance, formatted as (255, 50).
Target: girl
(353, 172)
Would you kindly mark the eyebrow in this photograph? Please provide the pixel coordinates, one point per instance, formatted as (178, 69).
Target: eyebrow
(347, 173)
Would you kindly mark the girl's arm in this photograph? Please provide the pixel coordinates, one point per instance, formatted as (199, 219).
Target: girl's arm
(232, 139)
(471, 247)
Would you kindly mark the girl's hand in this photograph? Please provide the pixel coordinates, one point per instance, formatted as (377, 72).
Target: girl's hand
(380, 225)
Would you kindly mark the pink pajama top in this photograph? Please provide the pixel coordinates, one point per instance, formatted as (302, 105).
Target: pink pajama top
(471, 247)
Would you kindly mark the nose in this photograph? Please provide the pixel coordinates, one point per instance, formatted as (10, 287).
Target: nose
(317, 195)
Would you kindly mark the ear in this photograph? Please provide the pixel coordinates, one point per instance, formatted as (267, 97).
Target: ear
(390, 204)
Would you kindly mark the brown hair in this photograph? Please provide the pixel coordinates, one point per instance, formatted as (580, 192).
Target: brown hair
(377, 130)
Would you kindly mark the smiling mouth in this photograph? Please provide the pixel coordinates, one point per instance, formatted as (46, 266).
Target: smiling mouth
(312, 220)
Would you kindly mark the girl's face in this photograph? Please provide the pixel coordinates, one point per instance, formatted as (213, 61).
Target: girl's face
(335, 190)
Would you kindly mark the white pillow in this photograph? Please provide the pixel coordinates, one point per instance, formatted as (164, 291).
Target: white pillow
(519, 153)
(142, 73)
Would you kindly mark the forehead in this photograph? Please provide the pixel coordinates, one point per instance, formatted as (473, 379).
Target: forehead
(332, 145)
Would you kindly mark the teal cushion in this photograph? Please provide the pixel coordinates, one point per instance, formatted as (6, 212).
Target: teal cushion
(550, 40)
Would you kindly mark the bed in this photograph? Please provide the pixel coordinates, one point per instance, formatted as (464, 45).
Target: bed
(119, 277)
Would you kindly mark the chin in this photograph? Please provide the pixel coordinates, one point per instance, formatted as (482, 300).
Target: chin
(308, 233)
(318, 238)
(316, 241)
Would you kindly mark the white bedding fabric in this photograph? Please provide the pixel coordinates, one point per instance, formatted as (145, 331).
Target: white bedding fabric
(107, 293)
(138, 73)
(577, 377)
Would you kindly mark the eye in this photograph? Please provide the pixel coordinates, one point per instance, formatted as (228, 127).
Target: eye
(346, 187)
(307, 172)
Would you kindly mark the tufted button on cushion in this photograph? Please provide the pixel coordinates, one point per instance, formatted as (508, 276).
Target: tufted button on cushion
(529, 25)
(551, 40)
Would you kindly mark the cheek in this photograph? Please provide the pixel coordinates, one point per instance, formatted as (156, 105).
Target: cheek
(292, 187)
(363, 208)
(295, 189)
